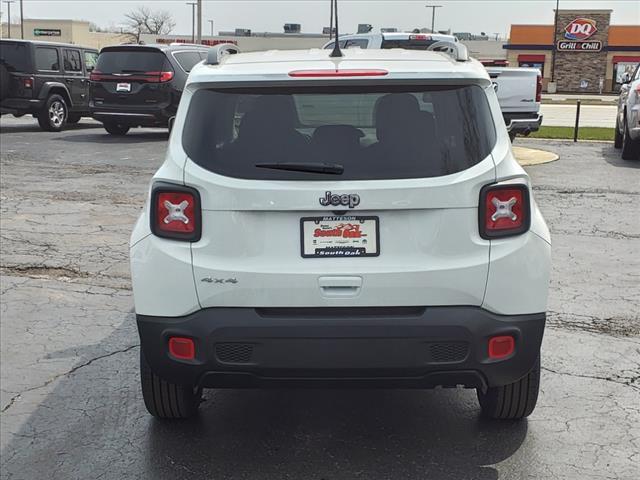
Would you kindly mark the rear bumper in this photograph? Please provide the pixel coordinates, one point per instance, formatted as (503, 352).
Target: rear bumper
(523, 124)
(21, 105)
(404, 347)
(148, 117)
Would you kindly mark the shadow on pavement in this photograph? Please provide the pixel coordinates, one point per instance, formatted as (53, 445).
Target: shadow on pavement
(614, 157)
(34, 127)
(94, 425)
(134, 136)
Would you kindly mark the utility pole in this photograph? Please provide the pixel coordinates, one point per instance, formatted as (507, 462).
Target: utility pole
(21, 22)
(193, 21)
(433, 15)
(553, 52)
(211, 23)
(8, 2)
(199, 21)
(331, 23)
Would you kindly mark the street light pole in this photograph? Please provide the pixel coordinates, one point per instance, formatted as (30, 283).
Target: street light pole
(193, 21)
(199, 21)
(8, 2)
(433, 15)
(211, 23)
(21, 22)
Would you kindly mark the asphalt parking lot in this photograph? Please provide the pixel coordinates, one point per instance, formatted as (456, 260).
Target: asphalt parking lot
(70, 399)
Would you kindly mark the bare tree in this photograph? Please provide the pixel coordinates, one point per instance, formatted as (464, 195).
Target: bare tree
(143, 20)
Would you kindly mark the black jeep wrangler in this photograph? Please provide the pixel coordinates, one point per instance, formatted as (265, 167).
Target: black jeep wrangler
(45, 79)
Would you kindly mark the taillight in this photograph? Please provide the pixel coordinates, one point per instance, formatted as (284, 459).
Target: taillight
(419, 37)
(27, 82)
(161, 77)
(175, 212)
(539, 89)
(96, 76)
(504, 211)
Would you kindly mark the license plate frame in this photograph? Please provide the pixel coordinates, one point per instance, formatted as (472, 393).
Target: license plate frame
(123, 87)
(342, 247)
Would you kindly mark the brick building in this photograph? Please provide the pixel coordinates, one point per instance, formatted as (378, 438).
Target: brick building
(590, 54)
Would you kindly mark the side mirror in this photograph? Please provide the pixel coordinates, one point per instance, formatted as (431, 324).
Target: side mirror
(626, 78)
(495, 86)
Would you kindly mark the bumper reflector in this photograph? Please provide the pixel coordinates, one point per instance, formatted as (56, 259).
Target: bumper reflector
(501, 347)
(182, 348)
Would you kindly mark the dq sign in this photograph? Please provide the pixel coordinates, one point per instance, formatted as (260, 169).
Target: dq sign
(580, 29)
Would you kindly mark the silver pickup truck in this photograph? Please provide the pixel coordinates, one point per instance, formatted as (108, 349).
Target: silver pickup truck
(518, 89)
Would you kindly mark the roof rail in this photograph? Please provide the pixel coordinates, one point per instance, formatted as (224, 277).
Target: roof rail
(455, 50)
(215, 55)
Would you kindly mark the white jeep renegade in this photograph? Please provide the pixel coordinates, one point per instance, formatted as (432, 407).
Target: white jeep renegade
(350, 221)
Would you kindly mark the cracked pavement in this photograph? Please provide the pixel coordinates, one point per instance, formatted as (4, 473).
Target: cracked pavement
(69, 392)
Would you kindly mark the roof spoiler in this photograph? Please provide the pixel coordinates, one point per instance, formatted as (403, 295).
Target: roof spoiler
(217, 53)
(457, 51)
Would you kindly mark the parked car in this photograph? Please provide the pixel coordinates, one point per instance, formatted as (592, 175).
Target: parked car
(45, 79)
(627, 133)
(519, 89)
(140, 85)
(356, 224)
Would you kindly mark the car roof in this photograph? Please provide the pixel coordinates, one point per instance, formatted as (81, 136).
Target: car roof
(396, 35)
(48, 44)
(164, 47)
(400, 63)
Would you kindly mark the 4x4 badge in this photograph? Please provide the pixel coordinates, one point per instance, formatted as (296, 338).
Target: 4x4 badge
(346, 199)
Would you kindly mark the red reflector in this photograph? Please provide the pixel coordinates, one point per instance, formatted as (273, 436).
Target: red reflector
(353, 72)
(175, 212)
(501, 347)
(182, 348)
(504, 210)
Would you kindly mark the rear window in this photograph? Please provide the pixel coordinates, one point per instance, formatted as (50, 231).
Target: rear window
(14, 56)
(187, 60)
(408, 44)
(370, 132)
(130, 61)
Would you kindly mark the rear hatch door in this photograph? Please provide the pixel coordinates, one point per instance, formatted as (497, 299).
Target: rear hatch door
(516, 88)
(339, 196)
(130, 77)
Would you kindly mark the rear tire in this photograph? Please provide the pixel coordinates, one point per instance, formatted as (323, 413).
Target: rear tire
(513, 401)
(53, 116)
(617, 137)
(116, 129)
(630, 149)
(166, 400)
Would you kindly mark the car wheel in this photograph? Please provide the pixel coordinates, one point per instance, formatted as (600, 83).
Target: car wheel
(617, 136)
(116, 129)
(513, 401)
(74, 118)
(167, 400)
(53, 116)
(630, 149)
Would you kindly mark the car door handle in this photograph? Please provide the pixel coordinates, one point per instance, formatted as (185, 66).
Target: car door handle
(69, 80)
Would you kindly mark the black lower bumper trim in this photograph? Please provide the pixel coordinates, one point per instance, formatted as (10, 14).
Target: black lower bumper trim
(415, 347)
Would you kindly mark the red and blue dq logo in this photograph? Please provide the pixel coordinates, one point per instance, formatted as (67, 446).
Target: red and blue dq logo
(580, 29)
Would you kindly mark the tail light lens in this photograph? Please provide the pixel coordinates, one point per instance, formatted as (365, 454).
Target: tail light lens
(419, 37)
(160, 77)
(504, 211)
(96, 76)
(539, 89)
(27, 82)
(175, 212)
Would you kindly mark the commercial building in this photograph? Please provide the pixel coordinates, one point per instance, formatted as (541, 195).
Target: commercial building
(590, 54)
(63, 31)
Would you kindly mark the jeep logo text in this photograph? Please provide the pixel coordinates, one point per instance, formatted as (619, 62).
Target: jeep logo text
(348, 200)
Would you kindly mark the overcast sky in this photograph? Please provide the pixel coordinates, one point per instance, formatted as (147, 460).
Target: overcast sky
(269, 15)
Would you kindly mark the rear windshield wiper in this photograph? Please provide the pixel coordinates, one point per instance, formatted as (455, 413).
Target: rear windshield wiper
(329, 168)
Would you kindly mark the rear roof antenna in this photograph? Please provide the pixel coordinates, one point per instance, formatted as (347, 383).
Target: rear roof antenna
(336, 46)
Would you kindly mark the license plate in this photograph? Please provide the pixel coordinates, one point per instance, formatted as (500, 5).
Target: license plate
(123, 87)
(341, 236)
